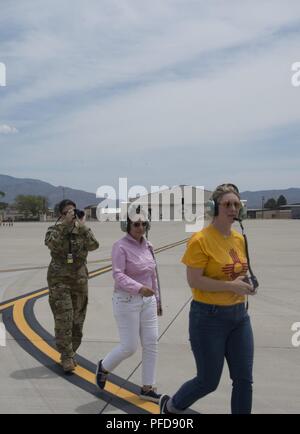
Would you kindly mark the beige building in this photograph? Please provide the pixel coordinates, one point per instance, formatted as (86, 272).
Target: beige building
(291, 211)
(179, 203)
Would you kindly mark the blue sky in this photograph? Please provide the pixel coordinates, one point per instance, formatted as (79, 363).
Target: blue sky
(164, 92)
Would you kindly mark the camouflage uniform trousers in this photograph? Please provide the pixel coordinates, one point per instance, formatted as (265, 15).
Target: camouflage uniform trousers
(68, 300)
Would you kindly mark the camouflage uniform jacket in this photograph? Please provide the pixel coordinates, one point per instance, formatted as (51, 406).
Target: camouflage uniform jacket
(58, 239)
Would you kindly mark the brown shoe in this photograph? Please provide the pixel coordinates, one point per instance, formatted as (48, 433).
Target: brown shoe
(68, 365)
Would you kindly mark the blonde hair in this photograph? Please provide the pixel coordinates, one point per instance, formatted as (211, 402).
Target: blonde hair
(223, 189)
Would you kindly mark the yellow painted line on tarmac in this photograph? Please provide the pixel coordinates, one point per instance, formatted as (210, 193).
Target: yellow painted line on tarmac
(99, 272)
(28, 297)
(40, 344)
(20, 322)
(46, 291)
(6, 306)
(43, 267)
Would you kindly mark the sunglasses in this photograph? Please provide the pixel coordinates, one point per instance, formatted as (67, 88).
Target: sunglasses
(138, 224)
(228, 204)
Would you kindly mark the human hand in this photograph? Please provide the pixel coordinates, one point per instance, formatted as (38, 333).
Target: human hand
(146, 292)
(80, 222)
(241, 287)
(159, 309)
(69, 217)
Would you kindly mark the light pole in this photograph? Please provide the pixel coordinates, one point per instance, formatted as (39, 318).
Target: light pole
(262, 206)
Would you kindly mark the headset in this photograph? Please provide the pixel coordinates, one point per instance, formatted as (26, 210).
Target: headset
(212, 206)
(212, 209)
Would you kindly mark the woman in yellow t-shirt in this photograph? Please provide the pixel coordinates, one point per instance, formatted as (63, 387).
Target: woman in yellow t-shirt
(219, 325)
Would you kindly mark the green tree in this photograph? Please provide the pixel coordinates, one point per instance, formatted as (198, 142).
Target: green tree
(271, 204)
(31, 205)
(281, 201)
(3, 205)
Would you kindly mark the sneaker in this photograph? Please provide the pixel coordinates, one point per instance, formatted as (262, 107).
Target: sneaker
(101, 376)
(150, 395)
(163, 404)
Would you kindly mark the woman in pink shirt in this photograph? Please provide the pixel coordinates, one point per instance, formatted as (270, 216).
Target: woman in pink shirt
(135, 305)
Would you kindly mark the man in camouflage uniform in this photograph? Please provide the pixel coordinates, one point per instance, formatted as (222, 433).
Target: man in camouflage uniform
(69, 243)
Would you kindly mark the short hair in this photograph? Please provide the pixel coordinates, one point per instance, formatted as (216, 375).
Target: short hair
(64, 203)
(223, 189)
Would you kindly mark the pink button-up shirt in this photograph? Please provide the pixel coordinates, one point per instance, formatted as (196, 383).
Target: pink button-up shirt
(133, 265)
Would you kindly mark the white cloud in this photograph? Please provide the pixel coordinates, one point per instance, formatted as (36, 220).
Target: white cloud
(8, 129)
(119, 42)
(229, 106)
(137, 75)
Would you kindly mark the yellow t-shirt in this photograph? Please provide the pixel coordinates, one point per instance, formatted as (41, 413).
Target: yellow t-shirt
(221, 258)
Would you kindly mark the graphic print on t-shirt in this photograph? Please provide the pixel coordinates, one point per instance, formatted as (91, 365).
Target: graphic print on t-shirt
(237, 268)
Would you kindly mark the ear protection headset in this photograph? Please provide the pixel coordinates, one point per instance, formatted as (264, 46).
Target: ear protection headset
(212, 206)
(125, 224)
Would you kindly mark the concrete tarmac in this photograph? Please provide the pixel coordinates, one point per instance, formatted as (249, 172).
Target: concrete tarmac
(29, 385)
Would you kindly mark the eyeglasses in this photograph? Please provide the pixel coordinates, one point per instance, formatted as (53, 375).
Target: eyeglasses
(138, 224)
(228, 204)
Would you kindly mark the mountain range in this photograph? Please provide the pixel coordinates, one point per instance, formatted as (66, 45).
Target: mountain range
(256, 198)
(12, 187)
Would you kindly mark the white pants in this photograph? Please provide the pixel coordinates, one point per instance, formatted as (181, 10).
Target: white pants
(136, 317)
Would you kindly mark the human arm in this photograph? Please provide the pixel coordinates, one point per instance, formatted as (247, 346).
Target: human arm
(92, 243)
(196, 279)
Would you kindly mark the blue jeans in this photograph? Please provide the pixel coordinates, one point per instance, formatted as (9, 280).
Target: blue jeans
(218, 333)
